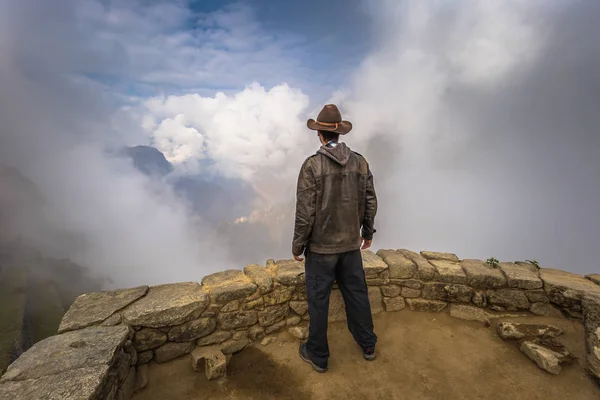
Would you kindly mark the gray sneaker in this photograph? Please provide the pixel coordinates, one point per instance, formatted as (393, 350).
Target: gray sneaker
(303, 351)
(369, 353)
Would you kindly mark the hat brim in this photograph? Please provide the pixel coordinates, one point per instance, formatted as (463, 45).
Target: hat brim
(342, 127)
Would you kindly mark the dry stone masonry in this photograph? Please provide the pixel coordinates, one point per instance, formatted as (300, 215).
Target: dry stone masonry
(106, 339)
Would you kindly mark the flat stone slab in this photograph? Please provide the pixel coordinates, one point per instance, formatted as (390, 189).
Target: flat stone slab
(423, 305)
(289, 272)
(482, 276)
(546, 310)
(543, 357)
(167, 305)
(449, 271)
(435, 255)
(80, 383)
(93, 308)
(472, 313)
(520, 277)
(372, 264)
(547, 355)
(260, 276)
(594, 278)
(89, 347)
(565, 288)
(426, 271)
(517, 331)
(399, 266)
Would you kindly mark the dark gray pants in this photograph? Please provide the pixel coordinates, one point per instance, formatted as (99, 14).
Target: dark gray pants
(347, 270)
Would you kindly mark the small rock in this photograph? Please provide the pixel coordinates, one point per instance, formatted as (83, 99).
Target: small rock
(144, 357)
(515, 331)
(233, 305)
(272, 314)
(148, 338)
(215, 362)
(214, 338)
(300, 332)
(275, 327)
(294, 320)
(268, 340)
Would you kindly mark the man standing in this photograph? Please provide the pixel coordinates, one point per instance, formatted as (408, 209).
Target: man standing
(335, 198)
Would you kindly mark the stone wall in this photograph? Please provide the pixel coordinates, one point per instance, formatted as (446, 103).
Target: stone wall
(106, 339)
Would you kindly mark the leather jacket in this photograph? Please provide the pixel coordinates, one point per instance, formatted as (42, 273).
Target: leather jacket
(335, 202)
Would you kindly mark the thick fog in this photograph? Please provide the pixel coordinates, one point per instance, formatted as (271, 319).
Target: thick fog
(479, 120)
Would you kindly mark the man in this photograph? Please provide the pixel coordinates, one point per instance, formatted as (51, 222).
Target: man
(335, 198)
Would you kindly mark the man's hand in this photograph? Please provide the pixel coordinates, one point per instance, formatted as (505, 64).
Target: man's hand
(298, 258)
(366, 244)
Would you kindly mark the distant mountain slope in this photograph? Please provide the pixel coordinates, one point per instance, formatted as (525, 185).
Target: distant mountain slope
(149, 160)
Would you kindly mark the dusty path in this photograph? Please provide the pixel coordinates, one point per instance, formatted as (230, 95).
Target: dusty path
(420, 356)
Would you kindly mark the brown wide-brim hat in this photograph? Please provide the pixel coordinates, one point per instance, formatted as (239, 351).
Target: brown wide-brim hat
(330, 119)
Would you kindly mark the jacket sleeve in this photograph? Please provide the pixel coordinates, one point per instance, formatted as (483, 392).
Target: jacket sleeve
(306, 197)
(368, 222)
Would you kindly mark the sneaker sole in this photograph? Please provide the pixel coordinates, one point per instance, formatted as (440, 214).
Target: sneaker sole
(369, 357)
(315, 366)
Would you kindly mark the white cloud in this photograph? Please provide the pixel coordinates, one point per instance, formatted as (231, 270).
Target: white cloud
(253, 132)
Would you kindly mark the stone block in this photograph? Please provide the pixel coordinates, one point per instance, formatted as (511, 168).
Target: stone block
(233, 346)
(273, 314)
(239, 319)
(447, 292)
(148, 339)
(399, 266)
(426, 305)
(92, 308)
(214, 338)
(233, 305)
(449, 271)
(91, 347)
(519, 276)
(567, 289)
(390, 291)
(393, 303)
(481, 276)
(167, 305)
(260, 276)
(434, 255)
(193, 330)
(299, 307)
(275, 327)
(228, 285)
(170, 351)
(537, 296)
(547, 355)
(293, 320)
(279, 295)
(145, 357)
(508, 299)
(375, 298)
(372, 264)
(426, 271)
(289, 272)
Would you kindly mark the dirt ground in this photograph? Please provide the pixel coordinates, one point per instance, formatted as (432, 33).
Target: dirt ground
(420, 356)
